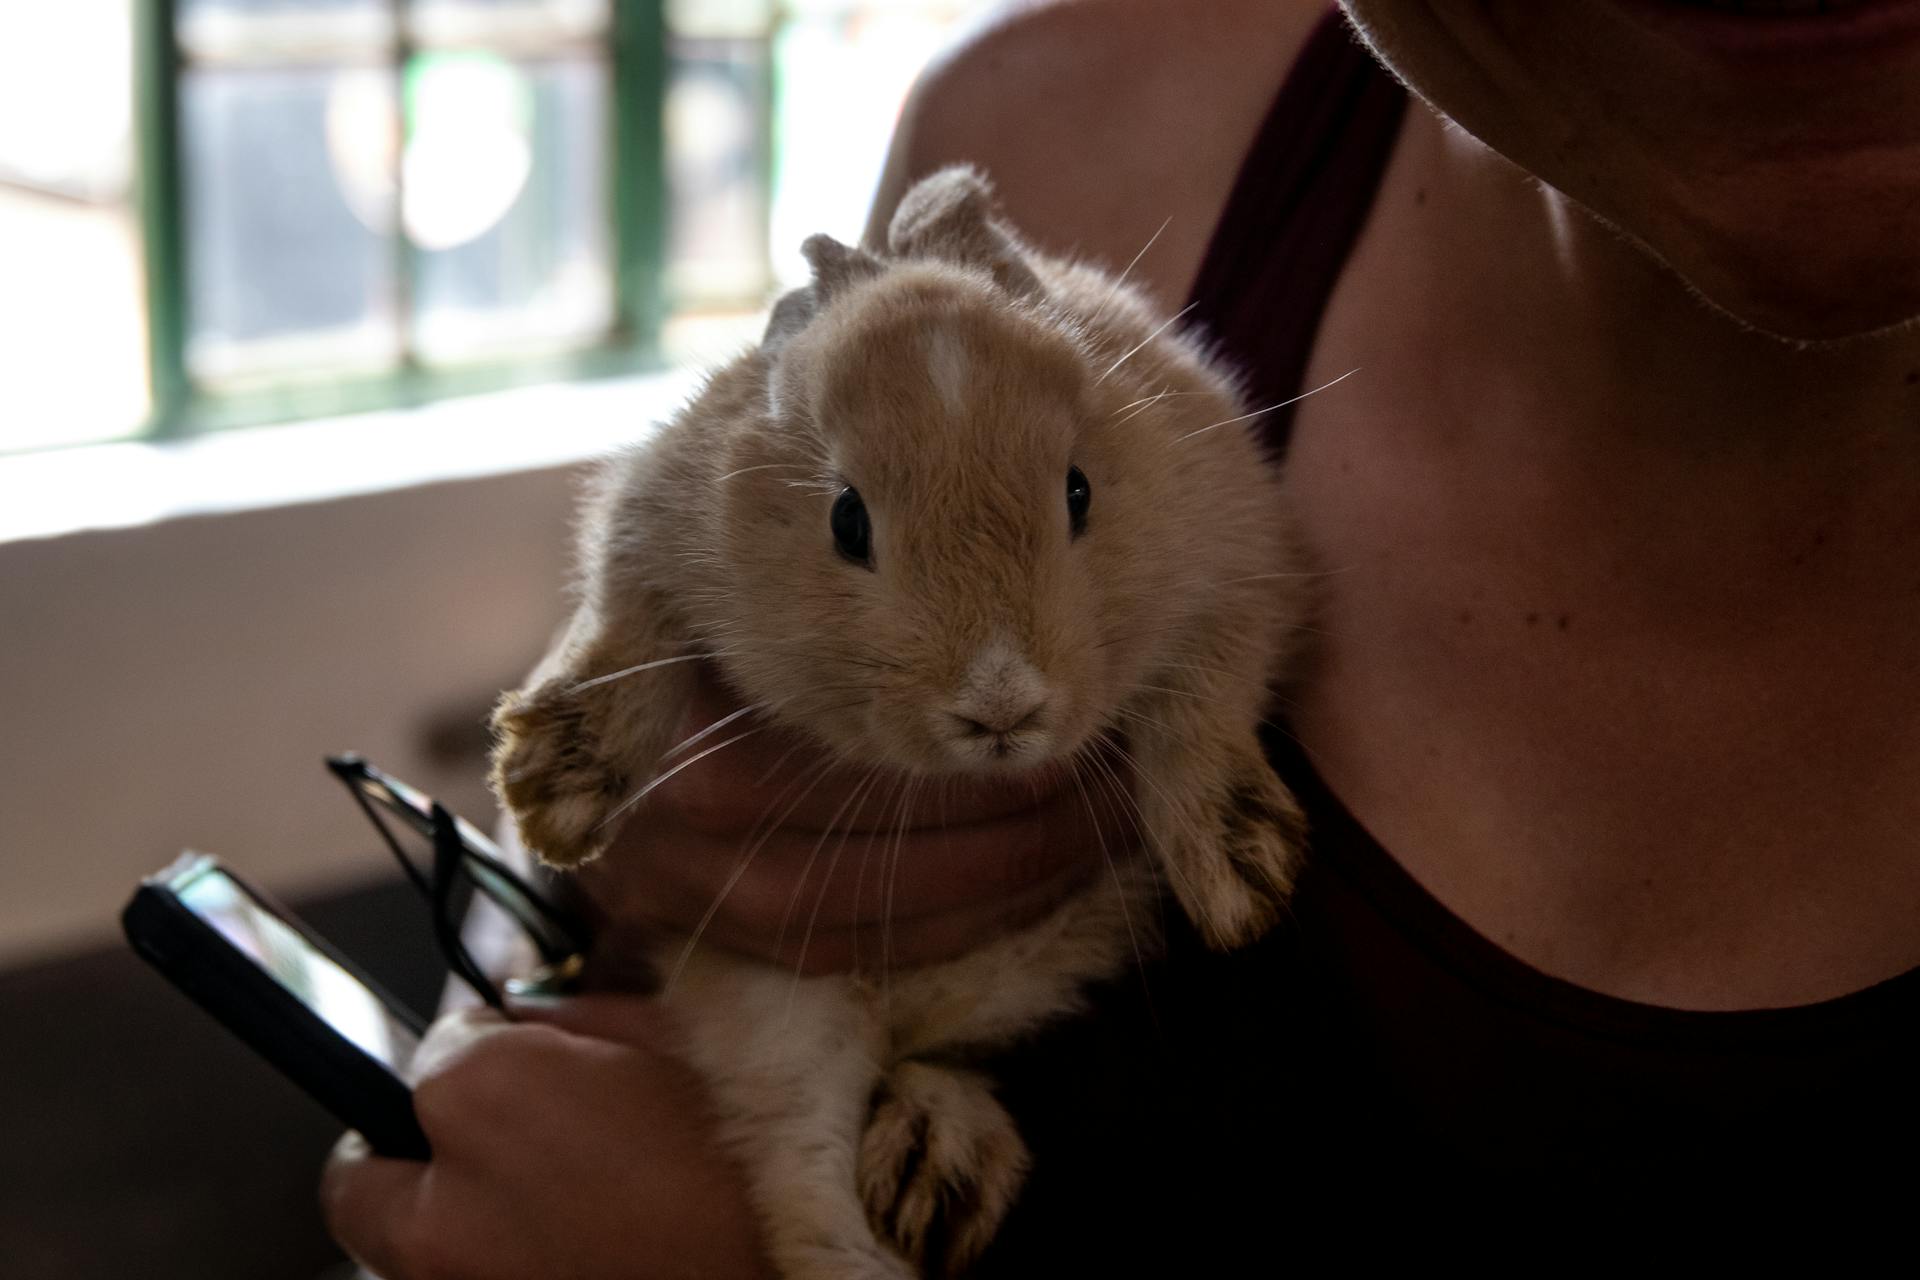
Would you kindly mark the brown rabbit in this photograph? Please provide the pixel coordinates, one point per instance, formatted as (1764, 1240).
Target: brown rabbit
(967, 509)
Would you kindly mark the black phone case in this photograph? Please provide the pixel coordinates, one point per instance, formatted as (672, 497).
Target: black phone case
(360, 1091)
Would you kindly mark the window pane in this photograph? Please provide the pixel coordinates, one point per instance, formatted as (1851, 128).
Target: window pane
(72, 325)
(737, 18)
(506, 201)
(240, 10)
(289, 201)
(73, 361)
(844, 68)
(717, 166)
(219, 29)
(448, 21)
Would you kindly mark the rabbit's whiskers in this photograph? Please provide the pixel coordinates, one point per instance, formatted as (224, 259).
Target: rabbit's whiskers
(1168, 323)
(699, 737)
(659, 778)
(765, 466)
(857, 799)
(1270, 577)
(1145, 403)
(901, 824)
(1224, 422)
(1172, 865)
(812, 775)
(1077, 773)
(637, 668)
(1121, 280)
(1182, 625)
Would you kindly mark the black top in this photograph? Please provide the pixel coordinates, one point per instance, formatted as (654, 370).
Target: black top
(1376, 1057)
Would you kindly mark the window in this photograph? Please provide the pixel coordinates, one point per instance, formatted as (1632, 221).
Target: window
(358, 202)
(72, 336)
(235, 212)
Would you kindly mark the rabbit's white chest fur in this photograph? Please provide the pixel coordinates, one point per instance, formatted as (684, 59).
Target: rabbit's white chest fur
(1027, 515)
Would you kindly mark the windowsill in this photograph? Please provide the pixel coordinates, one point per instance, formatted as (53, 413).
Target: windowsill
(116, 486)
(366, 582)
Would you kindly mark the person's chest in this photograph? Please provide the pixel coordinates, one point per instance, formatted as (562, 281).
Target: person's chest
(1644, 719)
(1706, 797)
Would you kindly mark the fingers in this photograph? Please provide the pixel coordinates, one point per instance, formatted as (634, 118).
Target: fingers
(633, 1020)
(797, 878)
(477, 1062)
(563, 1146)
(451, 1038)
(878, 945)
(368, 1202)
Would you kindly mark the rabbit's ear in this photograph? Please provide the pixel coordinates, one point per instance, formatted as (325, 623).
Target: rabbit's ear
(835, 265)
(790, 315)
(950, 216)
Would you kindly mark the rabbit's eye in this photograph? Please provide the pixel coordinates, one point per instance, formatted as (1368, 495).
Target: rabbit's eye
(852, 530)
(1079, 495)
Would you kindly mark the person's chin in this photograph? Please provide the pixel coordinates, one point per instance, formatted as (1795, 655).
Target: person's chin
(1813, 320)
(1802, 279)
(1797, 37)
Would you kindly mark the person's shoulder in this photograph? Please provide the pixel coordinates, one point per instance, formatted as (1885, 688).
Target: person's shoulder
(1099, 120)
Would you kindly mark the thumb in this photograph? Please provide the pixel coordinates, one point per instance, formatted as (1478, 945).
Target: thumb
(637, 1020)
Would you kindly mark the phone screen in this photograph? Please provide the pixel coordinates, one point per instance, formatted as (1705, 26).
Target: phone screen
(339, 998)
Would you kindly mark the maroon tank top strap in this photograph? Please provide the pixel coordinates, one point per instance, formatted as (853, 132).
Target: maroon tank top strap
(1297, 207)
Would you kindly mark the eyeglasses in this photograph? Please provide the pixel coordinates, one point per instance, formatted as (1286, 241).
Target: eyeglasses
(463, 858)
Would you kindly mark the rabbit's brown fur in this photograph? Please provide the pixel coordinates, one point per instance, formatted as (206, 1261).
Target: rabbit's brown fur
(952, 382)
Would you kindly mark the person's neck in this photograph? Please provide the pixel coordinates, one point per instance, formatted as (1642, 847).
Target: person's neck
(1529, 271)
(1564, 356)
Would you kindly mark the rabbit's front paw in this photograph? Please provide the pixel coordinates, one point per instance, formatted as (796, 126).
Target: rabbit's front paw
(1235, 886)
(940, 1164)
(549, 768)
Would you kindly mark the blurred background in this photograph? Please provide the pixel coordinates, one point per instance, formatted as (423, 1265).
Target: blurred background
(312, 314)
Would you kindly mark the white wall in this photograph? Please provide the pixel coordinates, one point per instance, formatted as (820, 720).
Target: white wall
(175, 685)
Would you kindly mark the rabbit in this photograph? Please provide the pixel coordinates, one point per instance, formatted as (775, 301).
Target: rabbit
(1018, 514)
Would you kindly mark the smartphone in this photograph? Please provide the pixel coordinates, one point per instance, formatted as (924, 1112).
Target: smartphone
(281, 989)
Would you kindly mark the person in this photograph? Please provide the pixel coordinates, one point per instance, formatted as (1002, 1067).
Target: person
(1608, 742)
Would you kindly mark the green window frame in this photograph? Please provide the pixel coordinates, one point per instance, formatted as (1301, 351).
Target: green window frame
(635, 50)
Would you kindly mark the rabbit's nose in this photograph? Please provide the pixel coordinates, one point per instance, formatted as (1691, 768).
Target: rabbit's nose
(1004, 717)
(1001, 704)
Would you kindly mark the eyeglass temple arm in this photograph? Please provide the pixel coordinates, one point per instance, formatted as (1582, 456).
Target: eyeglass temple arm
(558, 934)
(448, 851)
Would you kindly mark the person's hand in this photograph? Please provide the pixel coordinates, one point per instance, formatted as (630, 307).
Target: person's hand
(571, 1147)
(764, 850)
